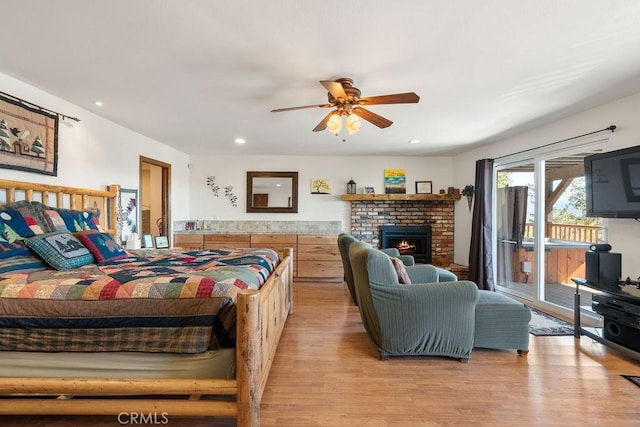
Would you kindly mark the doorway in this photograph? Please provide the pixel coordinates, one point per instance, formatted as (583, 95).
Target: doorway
(155, 182)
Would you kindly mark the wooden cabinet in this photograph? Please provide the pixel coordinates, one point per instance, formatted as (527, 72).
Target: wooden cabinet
(315, 257)
(188, 241)
(227, 241)
(319, 257)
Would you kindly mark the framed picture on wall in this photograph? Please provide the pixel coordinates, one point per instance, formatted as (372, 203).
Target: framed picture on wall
(424, 187)
(129, 204)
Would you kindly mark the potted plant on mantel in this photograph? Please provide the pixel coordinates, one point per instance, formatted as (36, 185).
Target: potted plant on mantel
(469, 191)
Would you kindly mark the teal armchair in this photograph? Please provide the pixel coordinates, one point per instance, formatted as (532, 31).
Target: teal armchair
(422, 275)
(424, 318)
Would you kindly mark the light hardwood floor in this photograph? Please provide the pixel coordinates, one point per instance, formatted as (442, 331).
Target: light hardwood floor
(326, 373)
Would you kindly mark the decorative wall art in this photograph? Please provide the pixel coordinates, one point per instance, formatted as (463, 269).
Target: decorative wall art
(395, 181)
(28, 138)
(228, 192)
(129, 203)
(320, 186)
(424, 187)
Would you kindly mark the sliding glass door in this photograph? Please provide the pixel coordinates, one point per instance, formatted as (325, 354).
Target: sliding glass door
(541, 228)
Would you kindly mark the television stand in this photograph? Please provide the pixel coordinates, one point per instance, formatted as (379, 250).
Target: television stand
(596, 334)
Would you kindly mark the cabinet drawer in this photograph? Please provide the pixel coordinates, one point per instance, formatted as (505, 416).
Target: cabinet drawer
(319, 253)
(310, 239)
(270, 240)
(188, 241)
(320, 269)
(221, 241)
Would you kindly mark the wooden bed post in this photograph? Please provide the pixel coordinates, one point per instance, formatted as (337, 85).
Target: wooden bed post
(248, 362)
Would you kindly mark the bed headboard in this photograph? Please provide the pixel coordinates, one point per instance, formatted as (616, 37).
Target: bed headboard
(107, 202)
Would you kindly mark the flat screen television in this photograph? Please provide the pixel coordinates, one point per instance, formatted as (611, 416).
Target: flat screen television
(612, 183)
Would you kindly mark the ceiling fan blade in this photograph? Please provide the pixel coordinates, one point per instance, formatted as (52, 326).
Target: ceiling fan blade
(398, 98)
(279, 110)
(323, 124)
(334, 88)
(373, 118)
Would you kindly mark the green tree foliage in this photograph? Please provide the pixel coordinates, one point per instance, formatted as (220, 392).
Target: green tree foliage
(576, 211)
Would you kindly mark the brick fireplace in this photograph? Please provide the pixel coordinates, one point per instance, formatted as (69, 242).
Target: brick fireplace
(368, 215)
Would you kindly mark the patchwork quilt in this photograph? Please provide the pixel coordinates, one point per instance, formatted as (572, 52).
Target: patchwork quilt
(172, 301)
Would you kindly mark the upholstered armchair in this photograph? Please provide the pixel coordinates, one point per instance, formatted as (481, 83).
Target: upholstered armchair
(423, 275)
(424, 318)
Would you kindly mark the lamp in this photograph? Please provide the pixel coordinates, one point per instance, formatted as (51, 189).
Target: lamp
(351, 187)
(334, 124)
(353, 124)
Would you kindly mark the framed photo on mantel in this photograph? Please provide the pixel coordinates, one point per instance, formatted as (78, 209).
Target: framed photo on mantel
(424, 187)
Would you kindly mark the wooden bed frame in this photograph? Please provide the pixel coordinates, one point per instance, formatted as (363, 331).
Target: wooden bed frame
(261, 316)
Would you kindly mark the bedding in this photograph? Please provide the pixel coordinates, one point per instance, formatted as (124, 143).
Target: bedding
(171, 301)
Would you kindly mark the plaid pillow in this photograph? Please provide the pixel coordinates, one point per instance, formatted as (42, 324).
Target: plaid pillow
(60, 250)
(101, 245)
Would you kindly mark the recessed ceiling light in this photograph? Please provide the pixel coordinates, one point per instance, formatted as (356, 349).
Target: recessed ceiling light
(239, 141)
(98, 103)
(415, 141)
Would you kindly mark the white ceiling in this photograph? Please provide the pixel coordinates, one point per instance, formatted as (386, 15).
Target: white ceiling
(197, 74)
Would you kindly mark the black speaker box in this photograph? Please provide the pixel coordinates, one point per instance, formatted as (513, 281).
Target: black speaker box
(603, 268)
(622, 334)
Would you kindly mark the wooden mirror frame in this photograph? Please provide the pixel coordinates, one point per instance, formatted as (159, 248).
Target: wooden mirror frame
(293, 208)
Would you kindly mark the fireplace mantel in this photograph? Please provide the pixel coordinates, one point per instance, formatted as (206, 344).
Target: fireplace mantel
(410, 197)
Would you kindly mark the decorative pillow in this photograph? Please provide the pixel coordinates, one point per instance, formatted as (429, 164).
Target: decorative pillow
(103, 247)
(13, 225)
(403, 276)
(55, 220)
(60, 250)
(78, 220)
(32, 215)
(21, 264)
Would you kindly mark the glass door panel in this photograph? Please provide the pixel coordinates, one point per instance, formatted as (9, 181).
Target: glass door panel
(516, 265)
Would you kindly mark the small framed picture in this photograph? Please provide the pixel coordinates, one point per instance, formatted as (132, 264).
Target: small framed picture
(424, 187)
(369, 190)
(147, 241)
(162, 242)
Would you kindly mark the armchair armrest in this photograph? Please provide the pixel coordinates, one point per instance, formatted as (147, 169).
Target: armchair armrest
(407, 260)
(422, 273)
(446, 275)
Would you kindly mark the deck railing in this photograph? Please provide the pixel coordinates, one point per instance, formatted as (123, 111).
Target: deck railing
(572, 232)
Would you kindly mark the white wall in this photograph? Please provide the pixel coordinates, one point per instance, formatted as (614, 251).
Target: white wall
(624, 234)
(95, 152)
(365, 171)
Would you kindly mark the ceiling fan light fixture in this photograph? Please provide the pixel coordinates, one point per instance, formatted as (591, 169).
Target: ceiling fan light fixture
(334, 124)
(353, 124)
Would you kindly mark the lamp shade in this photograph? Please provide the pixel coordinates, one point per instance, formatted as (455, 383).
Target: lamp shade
(334, 124)
(351, 187)
(353, 124)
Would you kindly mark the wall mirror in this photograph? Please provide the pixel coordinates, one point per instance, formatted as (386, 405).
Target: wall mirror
(275, 192)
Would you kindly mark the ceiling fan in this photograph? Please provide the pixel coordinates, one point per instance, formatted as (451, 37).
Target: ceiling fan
(347, 102)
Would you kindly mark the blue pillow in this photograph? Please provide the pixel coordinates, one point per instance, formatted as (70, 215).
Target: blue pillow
(60, 250)
(13, 226)
(78, 220)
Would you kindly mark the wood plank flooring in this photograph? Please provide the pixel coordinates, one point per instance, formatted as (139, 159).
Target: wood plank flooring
(327, 373)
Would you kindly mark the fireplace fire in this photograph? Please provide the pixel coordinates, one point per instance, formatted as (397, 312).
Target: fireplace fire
(409, 240)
